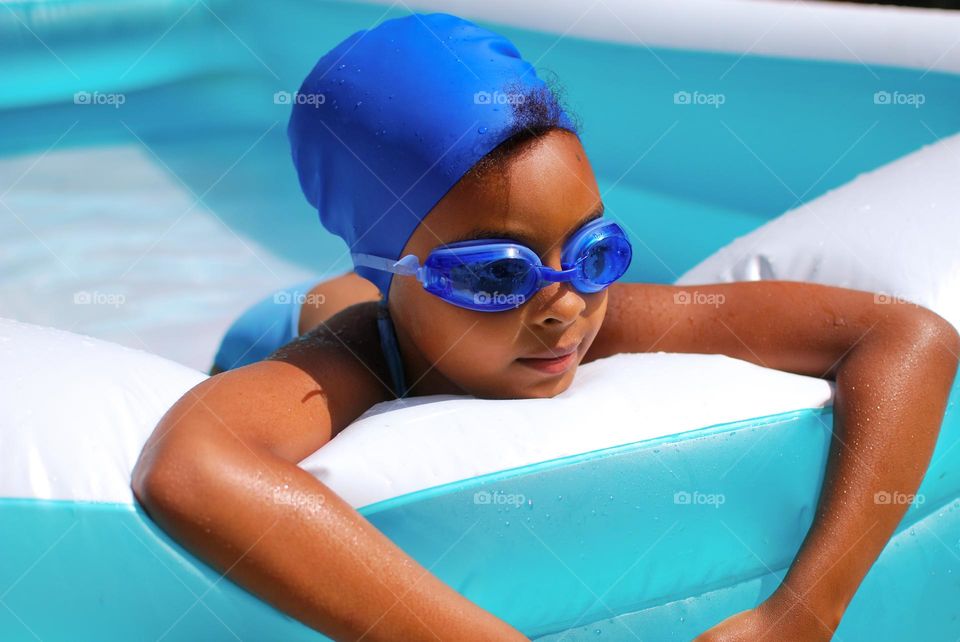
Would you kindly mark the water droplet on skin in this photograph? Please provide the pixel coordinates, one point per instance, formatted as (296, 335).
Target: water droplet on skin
(341, 81)
(359, 102)
(482, 130)
(596, 631)
(506, 523)
(342, 66)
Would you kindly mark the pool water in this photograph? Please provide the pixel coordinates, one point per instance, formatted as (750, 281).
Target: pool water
(172, 211)
(154, 215)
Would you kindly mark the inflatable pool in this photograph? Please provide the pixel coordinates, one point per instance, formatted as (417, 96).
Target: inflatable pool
(138, 172)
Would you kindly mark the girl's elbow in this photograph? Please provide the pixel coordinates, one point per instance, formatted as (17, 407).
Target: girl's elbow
(938, 333)
(170, 480)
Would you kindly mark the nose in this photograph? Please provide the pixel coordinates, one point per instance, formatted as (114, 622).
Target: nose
(557, 303)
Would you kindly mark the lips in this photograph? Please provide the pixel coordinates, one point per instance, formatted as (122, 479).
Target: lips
(553, 361)
(554, 353)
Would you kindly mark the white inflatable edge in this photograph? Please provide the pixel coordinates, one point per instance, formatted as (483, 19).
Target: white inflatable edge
(923, 39)
(893, 231)
(75, 413)
(615, 401)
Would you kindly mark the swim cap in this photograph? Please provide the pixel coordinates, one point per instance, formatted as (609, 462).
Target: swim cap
(392, 117)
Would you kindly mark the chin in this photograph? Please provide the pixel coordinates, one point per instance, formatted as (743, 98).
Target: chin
(520, 387)
(547, 387)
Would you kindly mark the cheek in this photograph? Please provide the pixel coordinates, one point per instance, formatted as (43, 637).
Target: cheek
(490, 345)
(464, 344)
(475, 341)
(596, 313)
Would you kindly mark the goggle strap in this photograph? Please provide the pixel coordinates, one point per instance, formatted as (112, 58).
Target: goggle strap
(408, 265)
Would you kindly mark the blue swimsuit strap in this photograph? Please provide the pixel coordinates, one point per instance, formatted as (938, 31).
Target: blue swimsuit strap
(391, 351)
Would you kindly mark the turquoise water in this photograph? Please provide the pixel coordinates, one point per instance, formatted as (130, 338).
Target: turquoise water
(685, 179)
(599, 548)
(198, 86)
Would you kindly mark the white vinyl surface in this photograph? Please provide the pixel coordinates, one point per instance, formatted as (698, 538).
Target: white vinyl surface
(894, 231)
(76, 411)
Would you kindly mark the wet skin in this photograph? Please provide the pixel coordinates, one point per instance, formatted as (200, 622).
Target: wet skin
(219, 472)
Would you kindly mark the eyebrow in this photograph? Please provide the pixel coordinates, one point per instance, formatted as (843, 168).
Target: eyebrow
(520, 237)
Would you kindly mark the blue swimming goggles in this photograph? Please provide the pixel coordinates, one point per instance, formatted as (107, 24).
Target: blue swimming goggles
(492, 275)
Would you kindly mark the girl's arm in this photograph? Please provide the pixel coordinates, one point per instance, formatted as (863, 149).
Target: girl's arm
(220, 475)
(893, 363)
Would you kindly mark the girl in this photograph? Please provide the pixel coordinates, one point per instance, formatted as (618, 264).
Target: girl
(436, 145)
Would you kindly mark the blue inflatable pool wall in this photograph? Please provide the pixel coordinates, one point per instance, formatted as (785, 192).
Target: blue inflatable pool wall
(597, 545)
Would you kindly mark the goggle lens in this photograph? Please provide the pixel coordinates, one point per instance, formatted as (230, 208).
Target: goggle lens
(496, 285)
(604, 261)
(472, 275)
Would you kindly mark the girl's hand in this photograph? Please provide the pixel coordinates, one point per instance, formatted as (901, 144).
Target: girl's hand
(772, 621)
(893, 368)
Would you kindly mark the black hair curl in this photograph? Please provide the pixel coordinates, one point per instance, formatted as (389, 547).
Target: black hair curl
(535, 112)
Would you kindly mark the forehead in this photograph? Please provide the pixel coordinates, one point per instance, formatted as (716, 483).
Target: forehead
(539, 197)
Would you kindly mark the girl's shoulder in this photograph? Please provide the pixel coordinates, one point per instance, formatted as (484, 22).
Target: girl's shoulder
(343, 356)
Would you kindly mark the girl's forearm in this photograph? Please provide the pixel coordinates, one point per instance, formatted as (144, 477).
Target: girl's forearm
(891, 394)
(284, 536)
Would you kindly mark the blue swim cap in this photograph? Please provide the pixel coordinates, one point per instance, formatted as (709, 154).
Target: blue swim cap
(392, 117)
